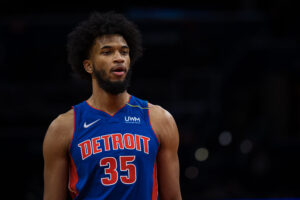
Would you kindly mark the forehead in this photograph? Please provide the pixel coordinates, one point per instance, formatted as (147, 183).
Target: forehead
(111, 40)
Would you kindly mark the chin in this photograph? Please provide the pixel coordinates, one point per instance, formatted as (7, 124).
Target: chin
(117, 79)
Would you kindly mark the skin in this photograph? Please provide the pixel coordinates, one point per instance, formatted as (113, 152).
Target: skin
(109, 51)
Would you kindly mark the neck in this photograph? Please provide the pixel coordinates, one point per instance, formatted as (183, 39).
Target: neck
(107, 102)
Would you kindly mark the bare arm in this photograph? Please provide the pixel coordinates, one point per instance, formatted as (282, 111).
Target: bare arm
(55, 152)
(167, 161)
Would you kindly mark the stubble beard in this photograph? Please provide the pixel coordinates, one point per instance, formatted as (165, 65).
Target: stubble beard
(112, 87)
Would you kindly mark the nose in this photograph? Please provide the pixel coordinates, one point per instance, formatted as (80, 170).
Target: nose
(118, 57)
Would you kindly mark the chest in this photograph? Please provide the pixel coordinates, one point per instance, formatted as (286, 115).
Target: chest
(126, 134)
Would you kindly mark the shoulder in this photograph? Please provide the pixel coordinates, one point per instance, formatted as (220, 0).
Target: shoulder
(63, 122)
(163, 123)
(61, 129)
(159, 113)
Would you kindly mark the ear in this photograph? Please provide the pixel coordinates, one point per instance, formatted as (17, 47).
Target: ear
(87, 64)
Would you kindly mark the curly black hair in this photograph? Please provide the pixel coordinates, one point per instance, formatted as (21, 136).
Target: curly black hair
(82, 38)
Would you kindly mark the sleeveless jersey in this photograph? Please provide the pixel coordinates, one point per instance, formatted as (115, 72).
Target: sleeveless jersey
(113, 156)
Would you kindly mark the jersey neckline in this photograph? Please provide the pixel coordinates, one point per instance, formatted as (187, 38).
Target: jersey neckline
(102, 111)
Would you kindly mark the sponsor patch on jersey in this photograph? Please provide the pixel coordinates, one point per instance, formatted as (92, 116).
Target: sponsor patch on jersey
(132, 120)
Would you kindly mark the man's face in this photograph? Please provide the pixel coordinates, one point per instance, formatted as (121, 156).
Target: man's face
(111, 63)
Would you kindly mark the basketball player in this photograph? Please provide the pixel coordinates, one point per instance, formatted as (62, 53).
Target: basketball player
(112, 145)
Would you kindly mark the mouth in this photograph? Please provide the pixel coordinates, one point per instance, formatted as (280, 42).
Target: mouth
(118, 70)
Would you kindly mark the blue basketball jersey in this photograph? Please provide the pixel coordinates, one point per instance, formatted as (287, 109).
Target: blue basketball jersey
(113, 156)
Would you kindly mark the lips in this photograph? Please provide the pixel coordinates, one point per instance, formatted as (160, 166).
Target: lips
(118, 70)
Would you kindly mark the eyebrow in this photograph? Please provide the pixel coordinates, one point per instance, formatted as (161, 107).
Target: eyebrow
(108, 47)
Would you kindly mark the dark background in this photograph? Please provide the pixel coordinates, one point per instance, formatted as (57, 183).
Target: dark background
(228, 71)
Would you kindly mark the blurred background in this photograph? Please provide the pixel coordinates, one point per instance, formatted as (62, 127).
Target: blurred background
(228, 71)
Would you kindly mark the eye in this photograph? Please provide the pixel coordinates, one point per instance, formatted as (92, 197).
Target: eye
(106, 52)
(125, 51)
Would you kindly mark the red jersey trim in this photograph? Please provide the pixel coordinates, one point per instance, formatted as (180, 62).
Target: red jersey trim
(107, 112)
(154, 188)
(73, 176)
(152, 126)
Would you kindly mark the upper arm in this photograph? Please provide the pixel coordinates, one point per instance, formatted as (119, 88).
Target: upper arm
(55, 153)
(167, 159)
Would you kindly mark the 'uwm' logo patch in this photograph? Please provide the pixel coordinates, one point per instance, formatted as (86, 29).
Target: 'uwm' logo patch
(134, 120)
